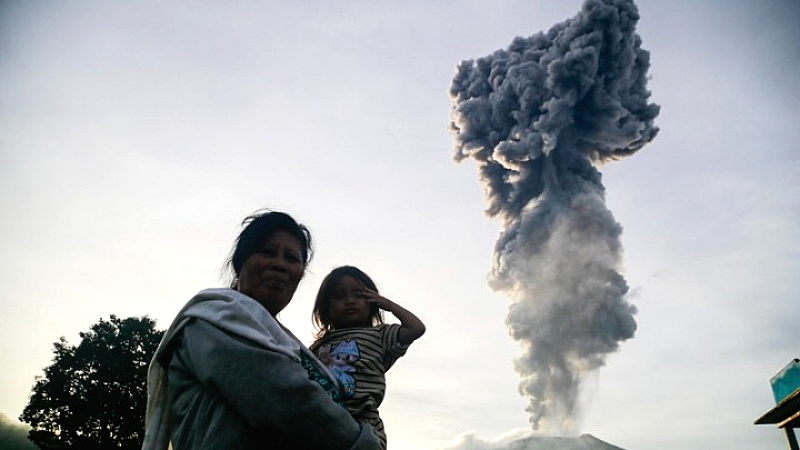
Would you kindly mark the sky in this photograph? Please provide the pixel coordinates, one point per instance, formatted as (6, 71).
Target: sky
(135, 137)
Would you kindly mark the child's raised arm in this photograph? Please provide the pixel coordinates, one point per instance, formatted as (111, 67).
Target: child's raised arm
(411, 328)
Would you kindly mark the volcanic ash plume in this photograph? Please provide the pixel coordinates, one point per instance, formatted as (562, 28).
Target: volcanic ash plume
(538, 117)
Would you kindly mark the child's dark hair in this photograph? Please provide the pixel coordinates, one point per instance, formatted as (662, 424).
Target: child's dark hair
(322, 306)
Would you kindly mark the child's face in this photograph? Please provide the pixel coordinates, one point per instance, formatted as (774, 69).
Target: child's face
(349, 306)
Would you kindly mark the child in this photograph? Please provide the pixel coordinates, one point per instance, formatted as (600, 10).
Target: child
(355, 344)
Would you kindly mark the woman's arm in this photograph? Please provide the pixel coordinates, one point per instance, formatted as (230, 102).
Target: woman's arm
(271, 392)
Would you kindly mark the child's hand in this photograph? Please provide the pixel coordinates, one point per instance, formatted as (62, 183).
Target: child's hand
(373, 297)
(411, 327)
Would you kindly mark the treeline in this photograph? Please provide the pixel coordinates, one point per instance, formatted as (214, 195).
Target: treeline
(14, 435)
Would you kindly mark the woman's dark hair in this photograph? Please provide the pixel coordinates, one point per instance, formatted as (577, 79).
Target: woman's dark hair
(321, 314)
(262, 224)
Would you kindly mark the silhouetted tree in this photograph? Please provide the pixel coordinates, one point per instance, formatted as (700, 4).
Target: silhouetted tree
(94, 395)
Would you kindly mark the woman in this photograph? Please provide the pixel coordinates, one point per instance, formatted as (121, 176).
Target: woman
(228, 375)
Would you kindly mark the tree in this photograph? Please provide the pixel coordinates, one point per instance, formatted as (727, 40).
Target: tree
(94, 395)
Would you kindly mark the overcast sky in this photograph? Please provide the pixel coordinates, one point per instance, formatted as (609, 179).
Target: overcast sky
(134, 137)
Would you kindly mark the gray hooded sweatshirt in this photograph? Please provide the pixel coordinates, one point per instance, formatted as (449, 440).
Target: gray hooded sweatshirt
(227, 375)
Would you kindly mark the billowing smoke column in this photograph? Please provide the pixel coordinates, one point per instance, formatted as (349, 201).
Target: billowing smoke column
(538, 117)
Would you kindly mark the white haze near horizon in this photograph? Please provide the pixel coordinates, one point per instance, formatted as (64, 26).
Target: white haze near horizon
(135, 137)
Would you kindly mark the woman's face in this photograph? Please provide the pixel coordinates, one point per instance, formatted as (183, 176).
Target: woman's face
(271, 274)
